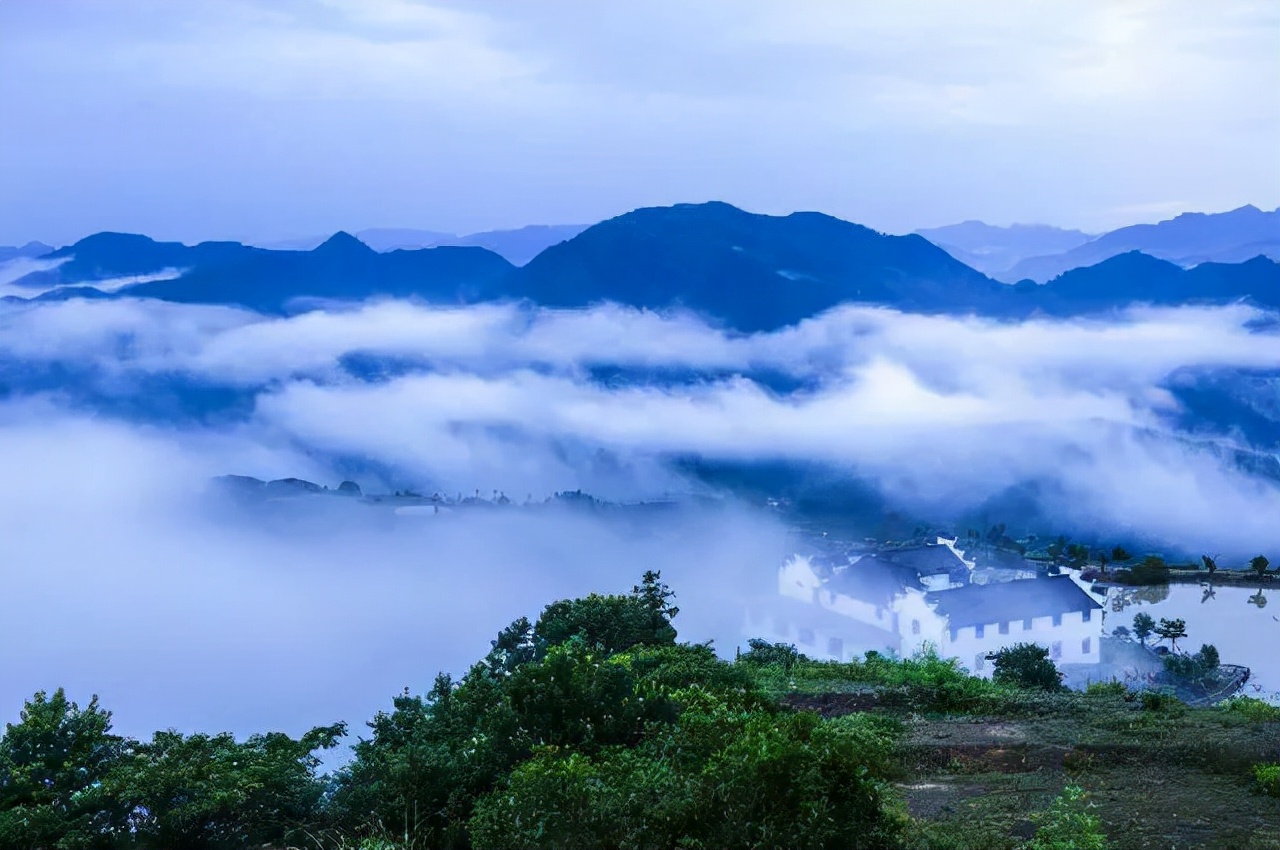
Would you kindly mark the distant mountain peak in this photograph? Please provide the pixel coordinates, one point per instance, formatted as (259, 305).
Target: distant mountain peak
(344, 242)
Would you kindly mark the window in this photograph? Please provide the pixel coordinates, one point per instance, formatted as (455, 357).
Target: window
(835, 648)
(1004, 628)
(980, 661)
(977, 632)
(1084, 646)
(1026, 625)
(1055, 651)
(1087, 616)
(1057, 619)
(806, 636)
(915, 627)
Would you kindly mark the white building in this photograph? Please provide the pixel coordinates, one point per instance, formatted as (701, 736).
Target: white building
(902, 599)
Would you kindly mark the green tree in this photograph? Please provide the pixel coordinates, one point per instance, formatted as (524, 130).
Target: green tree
(1259, 565)
(1171, 630)
(761, 652)
(1143, 626)
(209, 792)
(1026, 665)
(53, 765)
(613, 623)
(1119, 554)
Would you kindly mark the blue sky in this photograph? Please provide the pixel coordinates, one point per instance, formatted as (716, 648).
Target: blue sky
(266, 120)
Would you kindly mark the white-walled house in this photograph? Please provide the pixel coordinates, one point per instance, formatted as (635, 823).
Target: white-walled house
(900, 600)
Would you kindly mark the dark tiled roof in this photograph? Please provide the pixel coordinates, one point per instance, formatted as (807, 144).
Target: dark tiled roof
(930, 559)
(1003, 602)
(874, 580)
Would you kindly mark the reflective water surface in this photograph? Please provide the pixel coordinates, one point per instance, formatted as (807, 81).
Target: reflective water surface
(1242, 622)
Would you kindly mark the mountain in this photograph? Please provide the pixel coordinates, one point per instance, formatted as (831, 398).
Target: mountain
(1135, 277)
(343, 267)
(752, 271)
(522, 245)
(403, 238)
(992, 249)
(517, 246)
(1187, 240)
(29, 251)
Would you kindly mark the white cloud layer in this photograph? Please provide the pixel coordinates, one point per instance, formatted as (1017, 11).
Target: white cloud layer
(116, 576)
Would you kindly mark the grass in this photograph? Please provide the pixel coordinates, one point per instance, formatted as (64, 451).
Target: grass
(977, 761)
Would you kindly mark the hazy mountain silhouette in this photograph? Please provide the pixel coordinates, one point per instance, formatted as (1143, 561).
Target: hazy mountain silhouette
(1135, 277)
(748, 271)
(752, 271)
(993, 250)
(403, 238)
(28, 251)
(230, 273)
(521, 245)
(1188, 239)
(342, 268)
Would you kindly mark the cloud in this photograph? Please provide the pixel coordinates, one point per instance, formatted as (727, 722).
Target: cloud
(213, 120)
(943, 413)
(118, 576)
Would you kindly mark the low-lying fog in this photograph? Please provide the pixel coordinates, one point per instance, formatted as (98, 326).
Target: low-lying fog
(119, 577)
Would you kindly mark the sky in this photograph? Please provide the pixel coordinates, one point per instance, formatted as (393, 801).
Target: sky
(257, 120)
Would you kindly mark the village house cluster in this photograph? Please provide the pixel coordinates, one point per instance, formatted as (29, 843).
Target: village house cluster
(901, 599)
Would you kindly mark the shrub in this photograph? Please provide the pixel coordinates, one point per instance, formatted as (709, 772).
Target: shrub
(1267, 778)
(1068, 824)
(1253, 710)
(762, 653)
(1160, 702)
(1026, 665)
(1108, 689)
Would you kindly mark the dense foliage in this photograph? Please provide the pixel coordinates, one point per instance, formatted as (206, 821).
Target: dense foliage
(1026, 665)
(591, 726)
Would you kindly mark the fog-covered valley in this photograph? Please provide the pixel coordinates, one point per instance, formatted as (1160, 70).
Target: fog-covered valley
(126, 577)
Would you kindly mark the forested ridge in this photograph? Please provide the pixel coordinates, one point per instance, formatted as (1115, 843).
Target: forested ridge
(594, 727)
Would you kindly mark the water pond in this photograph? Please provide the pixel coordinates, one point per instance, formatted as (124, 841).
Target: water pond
(1242, 622)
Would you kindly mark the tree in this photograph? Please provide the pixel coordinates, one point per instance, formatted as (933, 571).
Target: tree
(1171, 630)
(1143, 626)
(762, 653)
(1026, 665)
(1210, 564)
(1119, 554)
(53, 763)
(613, 623)
(1259, 565)
(211, 792)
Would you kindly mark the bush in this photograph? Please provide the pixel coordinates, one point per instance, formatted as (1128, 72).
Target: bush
(1026, 665)
(1253, 710)
(1068, 825)
(1160, 702)
(1107, 689)
(1267, 779)
(762, 653)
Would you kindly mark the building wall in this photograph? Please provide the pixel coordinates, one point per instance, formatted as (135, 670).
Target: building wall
(1072, 640)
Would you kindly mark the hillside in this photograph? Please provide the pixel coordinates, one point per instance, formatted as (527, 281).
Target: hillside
(230, 273)
(993, 250)
(746, 271)
(754, 272)
(1186, 240)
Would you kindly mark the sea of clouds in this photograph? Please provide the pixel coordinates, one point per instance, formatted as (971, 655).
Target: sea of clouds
(116, 577)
